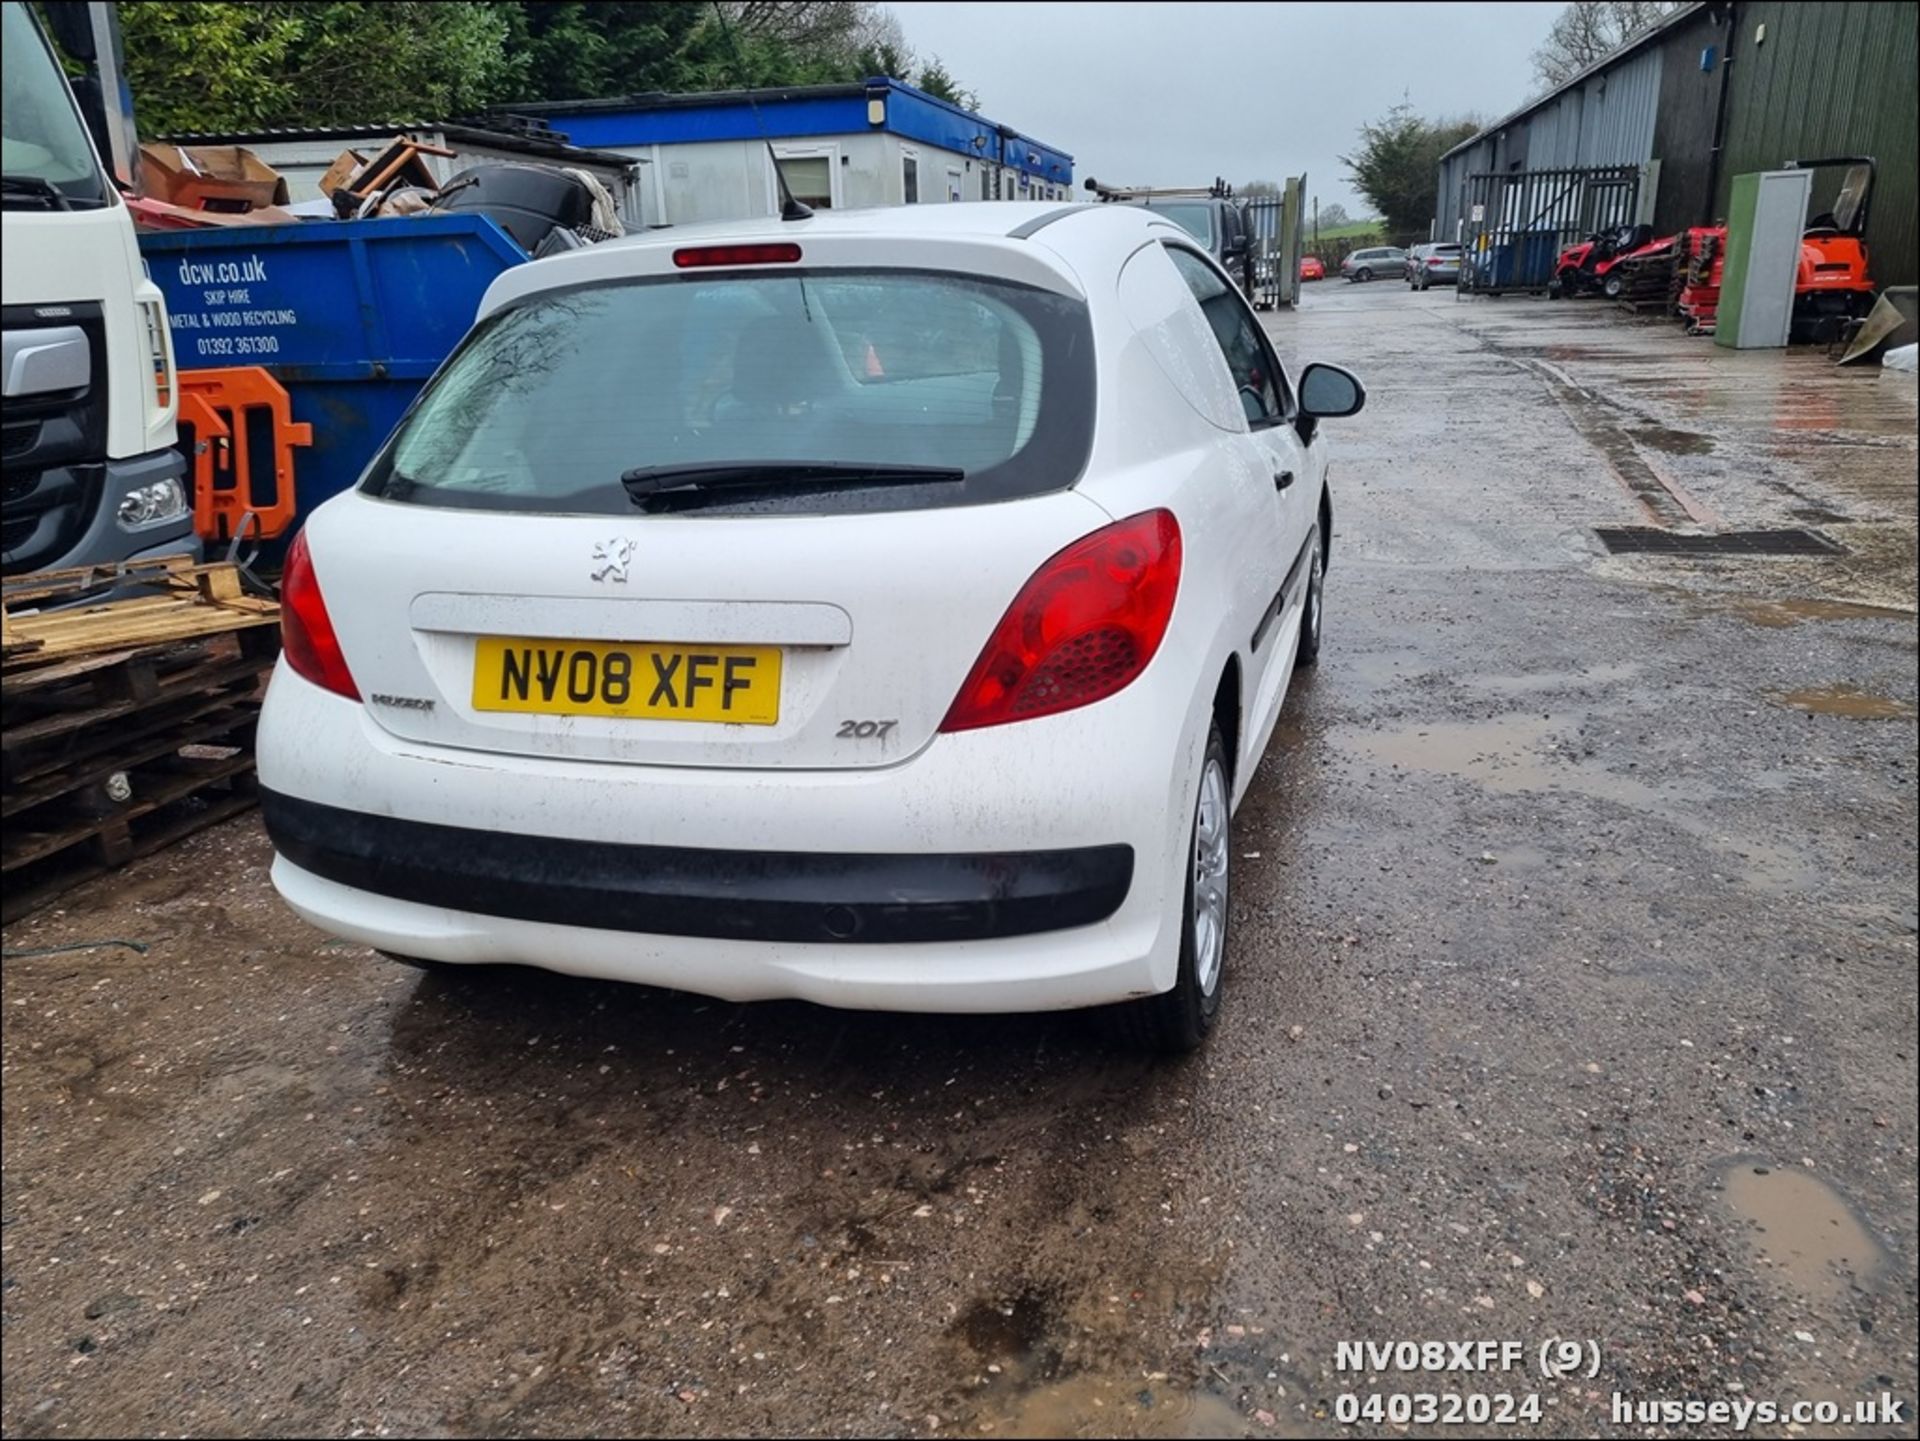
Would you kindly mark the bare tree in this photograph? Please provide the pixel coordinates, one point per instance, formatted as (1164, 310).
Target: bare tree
(879, 29)
(1587, 30)
(811, 27)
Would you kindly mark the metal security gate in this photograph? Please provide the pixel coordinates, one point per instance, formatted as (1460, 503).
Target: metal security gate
(1273, 236)
(1514, 225)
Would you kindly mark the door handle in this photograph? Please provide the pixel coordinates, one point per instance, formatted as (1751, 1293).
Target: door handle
(1282, 479)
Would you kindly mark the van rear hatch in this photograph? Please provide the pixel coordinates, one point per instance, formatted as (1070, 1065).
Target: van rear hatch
(746, 514)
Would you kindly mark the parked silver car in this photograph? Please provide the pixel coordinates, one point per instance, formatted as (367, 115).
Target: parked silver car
(1375, 263)
(1436, 263)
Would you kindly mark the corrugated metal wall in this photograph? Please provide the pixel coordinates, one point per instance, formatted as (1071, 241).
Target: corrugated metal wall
(1608, 120)
(1690, 80)
(1832, 78)
(1616, 120)
(1453, 173)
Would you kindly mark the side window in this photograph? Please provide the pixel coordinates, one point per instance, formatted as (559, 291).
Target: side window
(1256, 375)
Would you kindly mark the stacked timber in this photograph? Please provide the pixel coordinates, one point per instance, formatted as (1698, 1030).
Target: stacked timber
(1647, 282)
(124, 724)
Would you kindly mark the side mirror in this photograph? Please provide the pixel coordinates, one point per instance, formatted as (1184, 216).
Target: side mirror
(1328, 392)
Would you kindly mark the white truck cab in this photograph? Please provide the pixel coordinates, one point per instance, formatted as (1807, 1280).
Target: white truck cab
(91, 473)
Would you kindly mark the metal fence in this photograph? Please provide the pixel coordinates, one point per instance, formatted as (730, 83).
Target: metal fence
(1514, 225)
(1273, 235)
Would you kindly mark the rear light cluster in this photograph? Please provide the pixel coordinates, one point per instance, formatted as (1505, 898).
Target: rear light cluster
(701, 257)
(306, 630)
(1082, 628)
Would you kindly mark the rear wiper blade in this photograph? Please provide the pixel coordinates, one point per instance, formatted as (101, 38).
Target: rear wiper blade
(32, 187)
(645, 482)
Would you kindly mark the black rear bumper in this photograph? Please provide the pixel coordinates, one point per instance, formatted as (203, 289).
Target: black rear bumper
(684, 891)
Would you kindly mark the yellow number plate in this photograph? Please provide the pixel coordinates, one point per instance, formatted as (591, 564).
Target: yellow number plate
(638, 680)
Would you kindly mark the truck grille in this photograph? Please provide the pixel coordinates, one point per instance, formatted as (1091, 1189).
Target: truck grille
(53, 445)
(46, 514)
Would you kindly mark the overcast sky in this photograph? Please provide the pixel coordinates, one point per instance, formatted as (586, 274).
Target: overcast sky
(1175, 94)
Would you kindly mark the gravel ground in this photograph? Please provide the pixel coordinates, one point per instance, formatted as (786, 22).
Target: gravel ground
(1572, 996)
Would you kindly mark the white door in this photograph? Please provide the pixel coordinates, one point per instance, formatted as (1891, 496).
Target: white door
(1289, 469)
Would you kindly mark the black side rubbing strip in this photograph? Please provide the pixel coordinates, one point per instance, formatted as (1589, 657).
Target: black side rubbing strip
(1278, 606)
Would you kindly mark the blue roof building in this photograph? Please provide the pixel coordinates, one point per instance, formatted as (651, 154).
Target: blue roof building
(878, 142)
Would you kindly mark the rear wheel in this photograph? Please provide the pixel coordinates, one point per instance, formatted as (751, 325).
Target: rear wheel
(1180, 1019)
(1614, 288)
(1364, 275)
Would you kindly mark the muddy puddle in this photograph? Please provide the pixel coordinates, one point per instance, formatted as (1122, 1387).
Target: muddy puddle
(1778, 613)
(1554, 680)
(1041, 1366)
(1508, 753)
(1803, 1229)
(1088, 1404)
(1844, 700)
(1673, 442)
(1529, 754)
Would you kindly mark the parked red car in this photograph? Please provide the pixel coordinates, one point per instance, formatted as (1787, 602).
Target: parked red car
(1311, 268)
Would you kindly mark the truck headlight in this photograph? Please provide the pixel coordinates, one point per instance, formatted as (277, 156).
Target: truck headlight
(146, 506)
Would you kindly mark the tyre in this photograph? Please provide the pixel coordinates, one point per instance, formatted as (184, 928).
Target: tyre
(1555, 290)
(1179, 1020)
(1363, 274)
(1614, 288)
(1313, 617)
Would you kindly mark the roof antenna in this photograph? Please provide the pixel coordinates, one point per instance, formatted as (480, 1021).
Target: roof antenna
(790, 207)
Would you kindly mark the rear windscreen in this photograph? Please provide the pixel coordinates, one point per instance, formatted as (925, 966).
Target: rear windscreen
(548, 402)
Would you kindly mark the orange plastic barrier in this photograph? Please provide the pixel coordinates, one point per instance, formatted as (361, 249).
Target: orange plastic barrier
(238, 425)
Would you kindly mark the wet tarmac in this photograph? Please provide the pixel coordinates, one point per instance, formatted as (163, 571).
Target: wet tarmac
(1572, 996)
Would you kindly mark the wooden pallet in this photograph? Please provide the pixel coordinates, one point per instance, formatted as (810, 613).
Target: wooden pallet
(112, 755)
(179, 601)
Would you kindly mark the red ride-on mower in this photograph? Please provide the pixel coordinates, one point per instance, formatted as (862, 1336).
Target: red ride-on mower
(1584, 269)
(1831, 285)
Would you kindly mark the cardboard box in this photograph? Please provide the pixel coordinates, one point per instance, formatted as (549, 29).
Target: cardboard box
(223, 178)
(346, 165)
